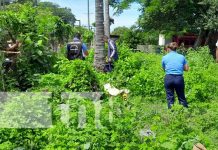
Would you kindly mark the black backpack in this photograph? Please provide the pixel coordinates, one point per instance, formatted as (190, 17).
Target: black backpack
(75, 50)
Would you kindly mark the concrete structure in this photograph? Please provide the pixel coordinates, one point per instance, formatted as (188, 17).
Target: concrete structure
(161, 40)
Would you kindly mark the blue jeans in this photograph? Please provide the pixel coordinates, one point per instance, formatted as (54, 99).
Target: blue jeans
(175, 83)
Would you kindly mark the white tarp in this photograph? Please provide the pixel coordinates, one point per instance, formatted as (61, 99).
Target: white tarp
(114, 91)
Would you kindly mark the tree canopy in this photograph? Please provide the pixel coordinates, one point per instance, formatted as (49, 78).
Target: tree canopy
(174, 15)
(64, 13)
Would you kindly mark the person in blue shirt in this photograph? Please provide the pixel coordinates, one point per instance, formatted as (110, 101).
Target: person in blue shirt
(174, 64)
(77, 39)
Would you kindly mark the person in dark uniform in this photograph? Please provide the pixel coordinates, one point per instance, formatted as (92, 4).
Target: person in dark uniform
(82, 48)
(112, 53)
(174, 64)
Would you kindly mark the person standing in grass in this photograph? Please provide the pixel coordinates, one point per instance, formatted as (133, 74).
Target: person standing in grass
(112, 53)
(174, 64)
(76, 49)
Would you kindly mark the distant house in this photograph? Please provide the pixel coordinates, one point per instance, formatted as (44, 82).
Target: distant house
(188, 39)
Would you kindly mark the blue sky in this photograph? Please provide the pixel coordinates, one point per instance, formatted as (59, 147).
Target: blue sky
(79, 9)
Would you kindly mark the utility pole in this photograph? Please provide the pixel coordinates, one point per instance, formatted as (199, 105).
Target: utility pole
(0, 4)
(88, 16)
(3, 2)
(35, 3)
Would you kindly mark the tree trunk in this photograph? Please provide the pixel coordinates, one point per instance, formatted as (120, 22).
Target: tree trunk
(211, 42)
(99, 56)
(208, 38)
(200, 38)
(107, 19)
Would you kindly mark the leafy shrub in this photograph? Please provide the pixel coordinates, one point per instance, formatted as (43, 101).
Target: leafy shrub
(143, 75)
(134, 36)
(126, 68)
(201, 80)
(32, 27)
(139, 72)
(76, 76)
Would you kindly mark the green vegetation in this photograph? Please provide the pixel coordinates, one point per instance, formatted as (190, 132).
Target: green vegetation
(134, 36)
(139, 121)
(145, 108)
(39, 31)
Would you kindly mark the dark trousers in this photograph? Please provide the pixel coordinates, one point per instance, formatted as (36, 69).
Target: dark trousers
(175, 83)
(108, 67)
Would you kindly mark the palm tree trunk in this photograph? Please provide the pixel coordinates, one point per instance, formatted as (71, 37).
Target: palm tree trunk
(99, 56)
(107, 19)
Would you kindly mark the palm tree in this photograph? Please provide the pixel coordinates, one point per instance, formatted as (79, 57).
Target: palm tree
(107, 19)
(99, 56)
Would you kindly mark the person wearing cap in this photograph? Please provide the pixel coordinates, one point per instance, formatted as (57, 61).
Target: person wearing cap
(112, 54)
(112, 49)
(174, 65)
